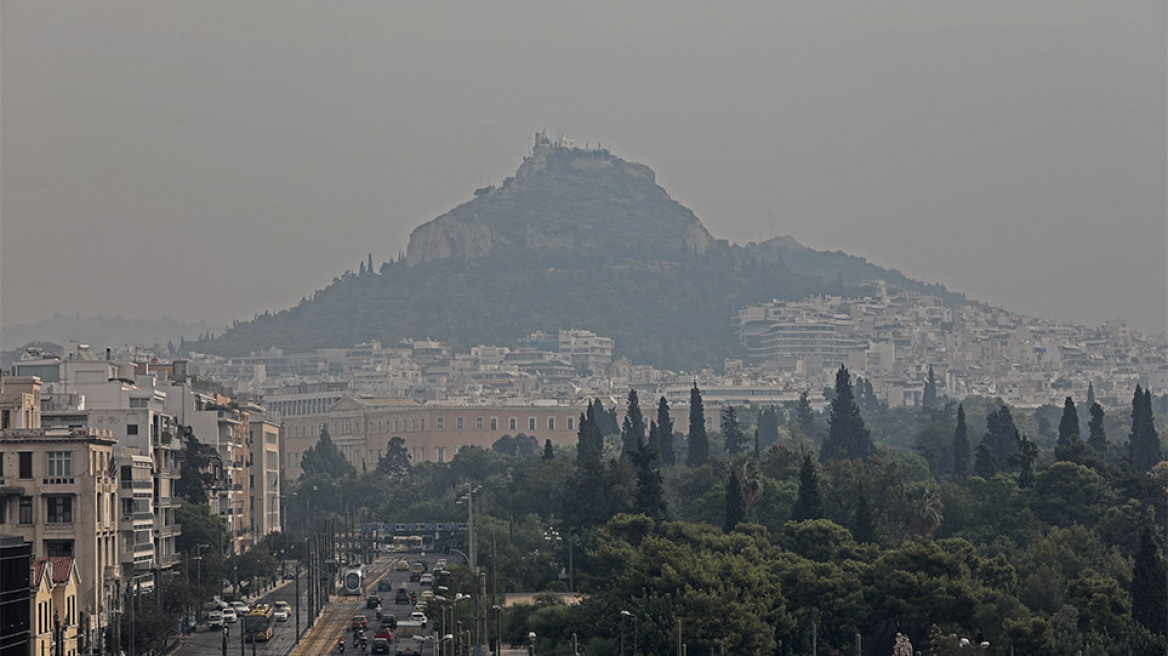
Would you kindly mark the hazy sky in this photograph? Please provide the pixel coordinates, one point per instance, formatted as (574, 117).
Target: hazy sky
(212, 160)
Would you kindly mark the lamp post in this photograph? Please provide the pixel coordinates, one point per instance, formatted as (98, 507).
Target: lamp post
(499, 628)
(624, 614)
(531, 643)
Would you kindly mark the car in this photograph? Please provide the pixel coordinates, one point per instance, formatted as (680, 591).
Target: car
(280, 614)
(215, 620)
(360, 622)
(383, 632)
(401, 566)
(241, 608)
(421, 605)
(285, 605)
(384, 584)
(415, 577)
(373, 602)
(426, 595)
(229, 615)
(402, 597)
(380, 646)
(441, 564)
(426, 579)
(388, 621)
(418, 616)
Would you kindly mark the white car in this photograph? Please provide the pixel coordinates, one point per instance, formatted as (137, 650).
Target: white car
(418, 616)
(215, 620)
(280, 614)
(229, 615)
(241, 608)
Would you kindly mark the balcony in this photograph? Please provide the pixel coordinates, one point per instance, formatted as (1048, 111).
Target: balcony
(64, 481)
(168, 531)
(59, 528)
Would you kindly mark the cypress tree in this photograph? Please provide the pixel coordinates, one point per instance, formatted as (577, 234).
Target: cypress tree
(650, 498)
(735, 503)
(768, 428)
(1144, 445)
(1097, 434)
(1001, 436)
(929, 397)
(807, 505)
(961, 447)
(654, 442)
(1090, 394)
(847, 437)
(1069, 447)
(548, 451)
(666, 456)
(864, 530)
(699, 442)
(983, 461)
(1149, 590)
(805, 416)
(757, 450)
(732, 432)
(1024, 458)
(633, 431)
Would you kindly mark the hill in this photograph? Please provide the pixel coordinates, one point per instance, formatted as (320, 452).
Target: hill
(576, 239)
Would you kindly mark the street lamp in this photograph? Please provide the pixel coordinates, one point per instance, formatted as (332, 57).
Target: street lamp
(624, 614)
(531, 643)
(499, 629)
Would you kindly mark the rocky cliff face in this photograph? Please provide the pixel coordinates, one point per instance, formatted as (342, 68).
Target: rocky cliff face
(565, 198)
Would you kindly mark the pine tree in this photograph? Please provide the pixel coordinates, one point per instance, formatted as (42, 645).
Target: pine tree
(633, 430)
(325, 458)
(735, 504)
(805, 416)
(396, 462)
(983, 461)
(807, 504)
(667, 456)
(732, 432)
(699, 442)
(864, 530)
(1149, 590)
(847, 437)
(961, 447)
(1097, 434)
(929, 397)
(1144, 445)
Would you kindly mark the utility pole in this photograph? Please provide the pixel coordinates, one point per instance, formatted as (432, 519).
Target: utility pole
(297, 577)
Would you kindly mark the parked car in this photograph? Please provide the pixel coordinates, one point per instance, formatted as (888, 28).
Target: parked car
(215, 619)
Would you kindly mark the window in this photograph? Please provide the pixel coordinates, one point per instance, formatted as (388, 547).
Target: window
(60, 464)
(6, 419)
(139, 402)
(423, 423)
(60, 508)
(26, 464)
(513, 424)
(441, 454)
(3, 509)
(531, 423)
(478, 423)
(414, 424)
(551, 423)
(571, 423)
(441, 423)
(25, 510)
(131, 429)
(494, 423)
(459, 423)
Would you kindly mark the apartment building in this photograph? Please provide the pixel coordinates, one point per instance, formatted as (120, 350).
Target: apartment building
(15, 609)
(58, 491)
(265, 478)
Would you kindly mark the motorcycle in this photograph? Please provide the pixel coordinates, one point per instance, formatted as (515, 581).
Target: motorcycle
(341, 645)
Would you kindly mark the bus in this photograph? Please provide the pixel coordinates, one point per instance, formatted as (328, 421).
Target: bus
(257, 625)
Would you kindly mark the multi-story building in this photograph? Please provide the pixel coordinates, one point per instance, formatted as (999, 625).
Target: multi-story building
(362, 427)
(58, 491)
(54, 607)
(15, 609)
(265, 478)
